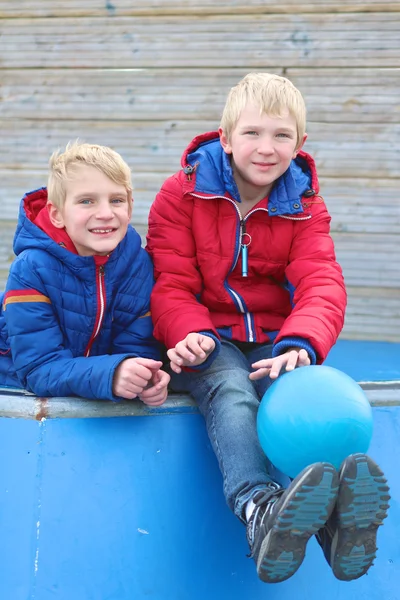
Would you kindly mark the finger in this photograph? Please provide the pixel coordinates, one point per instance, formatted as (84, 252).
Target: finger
(149, 393)
(132, 379)
(144, 372)
(207, 344)
(149, 363)
(163, 380)
(304, 359)
(156, 377)
(155, 399)
(186, 353)
(159, 388)
(174, 357)
(259, 374)
(136, 370)
(277, 365)
(175, 367)
(264, 363)
(196, 349)
(157, 402)
(292, 358)
(171, 353)
(128, 391)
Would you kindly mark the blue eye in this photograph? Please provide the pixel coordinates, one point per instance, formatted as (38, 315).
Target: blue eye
(85, 201)
(118, 200)
(251, 132)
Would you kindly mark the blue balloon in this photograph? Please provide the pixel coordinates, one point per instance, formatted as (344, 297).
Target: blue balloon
(313, 414)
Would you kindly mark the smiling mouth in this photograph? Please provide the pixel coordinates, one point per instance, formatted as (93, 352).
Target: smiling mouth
(102, 230)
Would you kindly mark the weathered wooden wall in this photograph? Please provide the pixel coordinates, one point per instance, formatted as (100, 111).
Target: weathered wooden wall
(146, 76)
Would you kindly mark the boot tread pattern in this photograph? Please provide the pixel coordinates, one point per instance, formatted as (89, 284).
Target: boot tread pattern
(362, 506)
(283, 549)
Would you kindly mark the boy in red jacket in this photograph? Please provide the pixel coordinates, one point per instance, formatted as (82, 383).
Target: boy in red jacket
(247, 285)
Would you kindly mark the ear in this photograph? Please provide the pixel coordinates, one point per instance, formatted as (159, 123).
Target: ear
(130, 206)
(224, 141)
(55, 215)
(300, 145)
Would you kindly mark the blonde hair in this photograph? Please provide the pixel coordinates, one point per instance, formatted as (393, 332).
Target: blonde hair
(63, 164)
(271, 93)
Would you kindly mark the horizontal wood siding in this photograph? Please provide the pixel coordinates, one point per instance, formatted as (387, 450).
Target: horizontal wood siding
(334, 40)
(145, 77)
(333, 95)
(61, 8)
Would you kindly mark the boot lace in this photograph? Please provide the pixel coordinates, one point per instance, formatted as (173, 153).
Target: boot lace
(264, 500)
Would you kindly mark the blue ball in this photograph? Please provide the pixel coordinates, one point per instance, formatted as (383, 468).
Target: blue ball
(313, 414)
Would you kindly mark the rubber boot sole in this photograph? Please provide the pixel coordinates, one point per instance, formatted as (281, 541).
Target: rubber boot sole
(305, 507)
(362, 505)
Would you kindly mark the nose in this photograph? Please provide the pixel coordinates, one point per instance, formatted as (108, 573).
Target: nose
(104, 210)
(265, 146)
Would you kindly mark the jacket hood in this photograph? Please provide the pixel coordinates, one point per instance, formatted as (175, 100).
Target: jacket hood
(35, 231)
(213, 175)
(34, 209)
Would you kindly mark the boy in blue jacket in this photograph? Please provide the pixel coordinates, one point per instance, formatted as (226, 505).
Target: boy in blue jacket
(75, 317)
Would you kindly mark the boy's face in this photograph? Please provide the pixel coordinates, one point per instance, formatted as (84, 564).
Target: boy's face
(262, 147)
(96, 212)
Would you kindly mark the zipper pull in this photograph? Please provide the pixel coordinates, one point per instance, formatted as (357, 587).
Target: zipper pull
(245, 243)
(245, 253)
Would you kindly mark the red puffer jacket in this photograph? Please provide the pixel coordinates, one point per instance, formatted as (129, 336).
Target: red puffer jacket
(294, 293)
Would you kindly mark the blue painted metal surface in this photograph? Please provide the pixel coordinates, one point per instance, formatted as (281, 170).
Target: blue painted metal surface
(132, 508)
(366, 361)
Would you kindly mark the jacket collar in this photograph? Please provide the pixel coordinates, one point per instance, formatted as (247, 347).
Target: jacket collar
(35, 231)
(213, 176)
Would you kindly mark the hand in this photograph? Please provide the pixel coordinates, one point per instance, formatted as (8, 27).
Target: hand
(191, 351)
(295, 357)
(156, 394)
(132, 375)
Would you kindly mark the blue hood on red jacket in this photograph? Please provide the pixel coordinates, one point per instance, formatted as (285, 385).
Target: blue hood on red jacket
(214, 175)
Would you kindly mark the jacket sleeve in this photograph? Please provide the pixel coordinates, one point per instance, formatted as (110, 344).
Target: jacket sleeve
(174, 306)
(316, 285)
(133, 326)
(42, 363)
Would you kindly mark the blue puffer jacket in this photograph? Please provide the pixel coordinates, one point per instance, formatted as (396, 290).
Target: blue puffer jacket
(67, 321)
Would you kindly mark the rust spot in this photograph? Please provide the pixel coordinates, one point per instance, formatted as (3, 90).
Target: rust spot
(42, 409)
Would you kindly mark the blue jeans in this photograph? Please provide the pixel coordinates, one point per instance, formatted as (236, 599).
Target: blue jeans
(229, 401)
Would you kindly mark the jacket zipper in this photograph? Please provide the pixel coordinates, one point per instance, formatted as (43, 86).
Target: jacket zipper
(238, 299)
(242, 225)
(101, 303)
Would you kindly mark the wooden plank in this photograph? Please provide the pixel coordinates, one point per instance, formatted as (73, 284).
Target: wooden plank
(368, 206)
(372, 314)
(372, 260)
(158, 145)
(332, 95)
(52, 8)
(334, 40)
